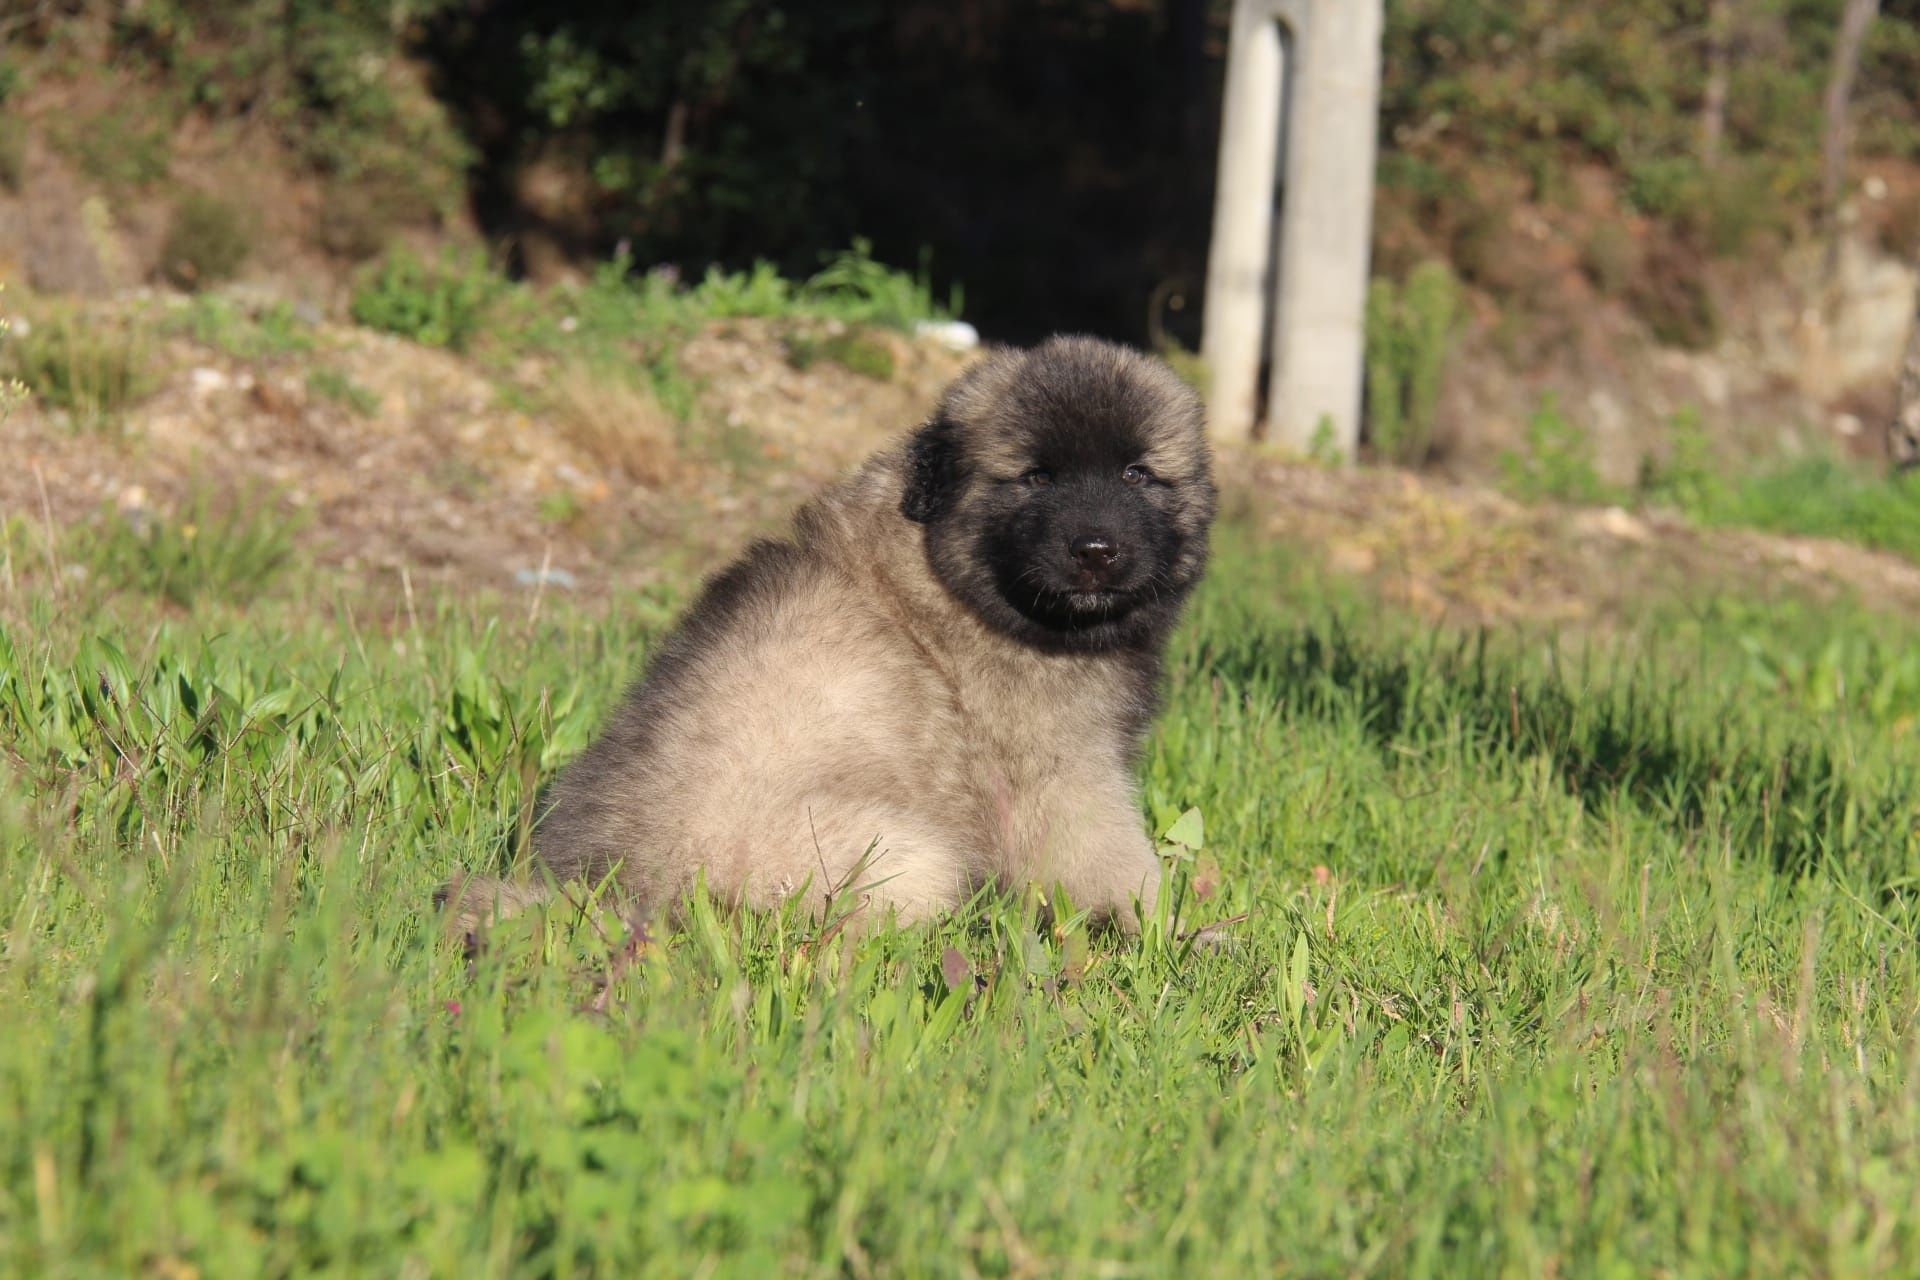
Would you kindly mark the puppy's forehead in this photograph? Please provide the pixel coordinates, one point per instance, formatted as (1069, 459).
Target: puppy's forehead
(1075, 403)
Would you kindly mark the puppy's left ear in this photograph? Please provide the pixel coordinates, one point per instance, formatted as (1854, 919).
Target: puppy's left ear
(933, 470)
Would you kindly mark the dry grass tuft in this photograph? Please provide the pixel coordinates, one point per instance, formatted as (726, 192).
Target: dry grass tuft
(619, 425)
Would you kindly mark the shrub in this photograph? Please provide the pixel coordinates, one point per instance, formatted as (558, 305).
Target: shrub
(121, 149)
(1410, 331)
(442, 303)
(13, 154)
(1611, 259)
(1690, 477)
(856, 288)
(357, 220)
(1671, 295)
(1557, 462)
(207, 242)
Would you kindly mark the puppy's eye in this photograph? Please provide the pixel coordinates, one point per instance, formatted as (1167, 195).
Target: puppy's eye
(1136, 474)
(1038, 478)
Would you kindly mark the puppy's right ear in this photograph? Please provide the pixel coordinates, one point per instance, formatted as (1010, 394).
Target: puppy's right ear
(933, 469)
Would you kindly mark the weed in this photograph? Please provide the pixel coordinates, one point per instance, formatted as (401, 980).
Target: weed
(851, 349)
(330, 384)
(218, 546)
(1410, 333)
(208, 241)
(242, 331)
(560, 506)
(442, 303)
(856, 288)
(93, 366)
(619, 425)
(13, 153)
(1820, 497)
(12, 390)
(1323, 447)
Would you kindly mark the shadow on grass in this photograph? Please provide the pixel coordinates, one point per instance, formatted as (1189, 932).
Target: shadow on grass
(1666, 746)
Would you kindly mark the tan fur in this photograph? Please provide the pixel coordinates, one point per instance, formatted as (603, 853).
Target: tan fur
(854, 734)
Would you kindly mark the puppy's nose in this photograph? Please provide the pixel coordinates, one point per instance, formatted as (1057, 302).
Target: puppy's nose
(1094, 551)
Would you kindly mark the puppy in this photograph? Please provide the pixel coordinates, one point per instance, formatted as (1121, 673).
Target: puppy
(940, 680)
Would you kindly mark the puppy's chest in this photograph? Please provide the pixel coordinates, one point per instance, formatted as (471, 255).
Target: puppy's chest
(1031, 729)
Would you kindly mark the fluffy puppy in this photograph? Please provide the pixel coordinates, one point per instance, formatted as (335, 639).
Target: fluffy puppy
(939, 680)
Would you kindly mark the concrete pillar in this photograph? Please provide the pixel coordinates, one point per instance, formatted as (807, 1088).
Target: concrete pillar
(1239, 269)
(1329, 94)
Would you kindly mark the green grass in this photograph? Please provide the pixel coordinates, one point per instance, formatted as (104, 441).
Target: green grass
(854, 350)
(1594, 967)
(1818, 495)
(240, 330)
(331, 384)
(628, 326)
(1822, 497)
(218, 546)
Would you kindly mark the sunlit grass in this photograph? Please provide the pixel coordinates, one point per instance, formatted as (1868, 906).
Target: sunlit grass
(1549, 968)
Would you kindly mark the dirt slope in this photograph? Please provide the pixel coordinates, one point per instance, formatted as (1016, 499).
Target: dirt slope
(450, 472)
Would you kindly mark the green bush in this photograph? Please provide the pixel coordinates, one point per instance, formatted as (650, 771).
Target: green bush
(123, 149)
(856, 288)
(1666, 186)
(207, 242)
(332, 77)
(1410, 332)
(1557, 462)
(442, 303)
(1690, 477)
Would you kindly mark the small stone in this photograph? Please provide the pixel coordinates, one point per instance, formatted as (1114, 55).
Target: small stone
(207, 381)
(545, 577)
(1622, 524)
(955, 335)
